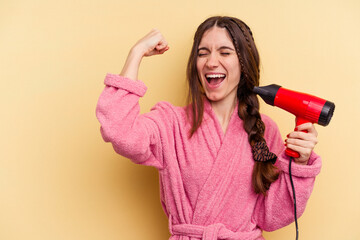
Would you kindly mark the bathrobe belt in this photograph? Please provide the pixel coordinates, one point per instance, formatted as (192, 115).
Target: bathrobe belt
(211, 232)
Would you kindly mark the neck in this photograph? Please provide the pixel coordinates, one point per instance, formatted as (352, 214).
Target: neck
(223, 111)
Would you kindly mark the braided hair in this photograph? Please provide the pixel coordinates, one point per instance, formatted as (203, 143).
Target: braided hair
(264, 172)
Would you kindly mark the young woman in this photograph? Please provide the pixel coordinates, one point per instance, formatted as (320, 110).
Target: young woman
(223, 171)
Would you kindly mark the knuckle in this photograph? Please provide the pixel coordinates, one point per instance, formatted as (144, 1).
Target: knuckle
(303, 135)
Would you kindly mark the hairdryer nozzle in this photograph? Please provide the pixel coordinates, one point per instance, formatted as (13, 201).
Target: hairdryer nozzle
(267, 93)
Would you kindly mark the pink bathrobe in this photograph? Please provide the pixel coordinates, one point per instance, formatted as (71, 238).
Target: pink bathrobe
(205, 181)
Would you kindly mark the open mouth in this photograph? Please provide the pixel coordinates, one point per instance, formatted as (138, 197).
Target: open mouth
(214, 79)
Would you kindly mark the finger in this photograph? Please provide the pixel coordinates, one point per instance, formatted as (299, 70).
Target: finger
(156, 51)
(303, 126)
(301, 143)
(306, 127)
(305, 131)
(308, 136)
(304, 152)
(161, 44)
(164, 50)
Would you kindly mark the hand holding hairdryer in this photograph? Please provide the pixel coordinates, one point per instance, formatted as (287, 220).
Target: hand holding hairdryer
(305, 107)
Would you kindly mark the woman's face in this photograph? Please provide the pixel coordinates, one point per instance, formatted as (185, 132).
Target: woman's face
(218, 65)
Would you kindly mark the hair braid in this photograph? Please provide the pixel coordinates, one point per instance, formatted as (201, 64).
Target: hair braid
(264, 173)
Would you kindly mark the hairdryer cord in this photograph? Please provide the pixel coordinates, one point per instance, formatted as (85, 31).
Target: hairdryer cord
(293, 189)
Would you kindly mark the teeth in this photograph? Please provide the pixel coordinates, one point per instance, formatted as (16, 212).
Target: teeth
(215, 75)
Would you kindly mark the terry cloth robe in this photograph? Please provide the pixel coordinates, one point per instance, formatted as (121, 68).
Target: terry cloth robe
(205, 180)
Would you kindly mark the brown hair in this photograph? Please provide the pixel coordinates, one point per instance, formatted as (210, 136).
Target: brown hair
(264, 173)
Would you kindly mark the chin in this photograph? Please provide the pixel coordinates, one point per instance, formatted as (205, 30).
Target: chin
(213, 97)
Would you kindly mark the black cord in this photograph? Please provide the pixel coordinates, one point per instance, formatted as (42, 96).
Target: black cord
(293, 189)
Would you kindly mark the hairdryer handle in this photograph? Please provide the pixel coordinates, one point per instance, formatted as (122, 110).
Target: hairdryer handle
(289, 152)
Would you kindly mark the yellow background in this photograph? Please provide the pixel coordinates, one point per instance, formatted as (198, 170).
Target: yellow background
(60, 181)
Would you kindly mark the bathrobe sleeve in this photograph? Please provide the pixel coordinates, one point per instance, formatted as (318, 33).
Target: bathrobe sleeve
(276, 209)
(132, 135)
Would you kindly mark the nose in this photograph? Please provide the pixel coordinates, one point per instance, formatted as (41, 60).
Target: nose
(212, 61)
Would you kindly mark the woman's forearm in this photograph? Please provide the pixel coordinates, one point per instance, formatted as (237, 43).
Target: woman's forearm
(132, 64)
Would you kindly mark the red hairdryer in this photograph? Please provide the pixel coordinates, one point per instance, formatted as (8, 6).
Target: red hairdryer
(305, 107)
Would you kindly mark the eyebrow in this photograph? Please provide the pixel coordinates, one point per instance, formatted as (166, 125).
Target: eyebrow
(220, 48)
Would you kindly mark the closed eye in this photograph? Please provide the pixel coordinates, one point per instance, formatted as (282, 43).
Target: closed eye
(203, 51)
(202, 54)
